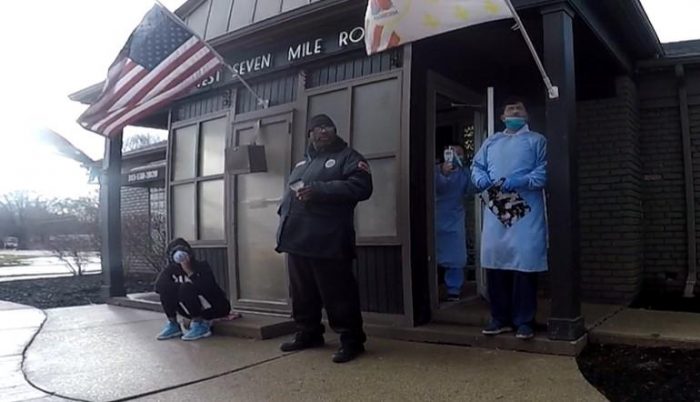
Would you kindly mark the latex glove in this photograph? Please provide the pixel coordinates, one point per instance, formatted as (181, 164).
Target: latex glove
(447, 168)
(514, 183)
(484, 183)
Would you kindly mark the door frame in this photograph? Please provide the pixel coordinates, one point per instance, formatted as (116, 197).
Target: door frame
(403, 237)
(271, 114)
(438, 84)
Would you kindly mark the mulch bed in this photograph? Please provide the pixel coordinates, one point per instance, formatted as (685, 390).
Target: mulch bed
(629, 373)
(67, 291)
(667, 302)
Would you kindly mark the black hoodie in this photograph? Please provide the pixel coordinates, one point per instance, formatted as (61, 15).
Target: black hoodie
(202, 277)
(323, 227)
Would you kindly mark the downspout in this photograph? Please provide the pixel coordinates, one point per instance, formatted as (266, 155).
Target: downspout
(689, 184)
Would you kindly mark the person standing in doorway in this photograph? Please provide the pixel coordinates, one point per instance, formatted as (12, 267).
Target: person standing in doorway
(452, 184)
(514, 255)
(317, 232)
(187, 286)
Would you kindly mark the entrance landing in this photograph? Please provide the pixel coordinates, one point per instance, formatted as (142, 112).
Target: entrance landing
(250, 325)
(461, 324)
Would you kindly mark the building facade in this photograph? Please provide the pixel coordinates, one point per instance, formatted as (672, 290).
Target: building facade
(621, 192)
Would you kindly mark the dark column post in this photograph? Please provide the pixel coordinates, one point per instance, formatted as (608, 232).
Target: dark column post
(565, 322)
(110, 219)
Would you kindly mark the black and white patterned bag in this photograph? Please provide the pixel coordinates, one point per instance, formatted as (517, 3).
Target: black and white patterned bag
(509, 207)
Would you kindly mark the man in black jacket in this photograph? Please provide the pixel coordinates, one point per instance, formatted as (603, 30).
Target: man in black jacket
(187, 286)
(317, 231)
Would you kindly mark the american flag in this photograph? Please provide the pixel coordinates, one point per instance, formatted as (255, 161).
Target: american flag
(162, 60)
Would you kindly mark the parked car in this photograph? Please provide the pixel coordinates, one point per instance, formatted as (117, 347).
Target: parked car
(11, 243)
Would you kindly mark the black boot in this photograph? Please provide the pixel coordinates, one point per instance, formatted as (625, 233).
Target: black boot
(348, 352)
(302, 341)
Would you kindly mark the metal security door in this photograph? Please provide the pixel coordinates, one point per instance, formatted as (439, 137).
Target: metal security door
(259, 280)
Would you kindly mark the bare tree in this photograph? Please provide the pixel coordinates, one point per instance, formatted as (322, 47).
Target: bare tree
(23, 215)
(73, 250)
(140, 140)
(144, 240)
(78, 234)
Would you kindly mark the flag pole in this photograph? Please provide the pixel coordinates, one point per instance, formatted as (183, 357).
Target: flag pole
(265, 103)
(552, 90)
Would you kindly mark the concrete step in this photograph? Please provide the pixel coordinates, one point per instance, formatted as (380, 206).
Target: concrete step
(465, 335)
(250, 325)
(476, 313)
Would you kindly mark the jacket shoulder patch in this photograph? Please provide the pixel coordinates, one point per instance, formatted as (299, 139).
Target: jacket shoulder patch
(364, 166)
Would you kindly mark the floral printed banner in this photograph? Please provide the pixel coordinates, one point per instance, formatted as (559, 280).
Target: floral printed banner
(391, 23)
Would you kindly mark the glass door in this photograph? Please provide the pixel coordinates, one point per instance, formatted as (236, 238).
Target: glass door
(259, 279)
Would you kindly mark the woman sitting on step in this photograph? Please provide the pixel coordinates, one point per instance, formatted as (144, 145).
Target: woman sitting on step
(187, 286)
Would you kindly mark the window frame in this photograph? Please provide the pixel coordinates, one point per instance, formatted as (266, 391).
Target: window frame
(397, 154)
(196, 180)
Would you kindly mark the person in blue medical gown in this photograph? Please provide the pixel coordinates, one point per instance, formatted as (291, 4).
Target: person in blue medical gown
(452, 185)
(513, 256)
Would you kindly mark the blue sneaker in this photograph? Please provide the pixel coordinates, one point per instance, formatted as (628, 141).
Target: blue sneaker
(198, 330)
(495, 328)
(170, 331)
(525, 332)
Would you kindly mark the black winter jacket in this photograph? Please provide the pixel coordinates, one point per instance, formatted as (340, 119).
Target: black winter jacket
(323, 227)
(202, 278)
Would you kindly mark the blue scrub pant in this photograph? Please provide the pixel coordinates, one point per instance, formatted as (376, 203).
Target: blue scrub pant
(513, 296)
(454, 280)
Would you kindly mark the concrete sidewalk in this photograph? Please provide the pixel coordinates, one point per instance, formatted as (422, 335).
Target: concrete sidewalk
(18, 324)
(650, 328)
(105, 353)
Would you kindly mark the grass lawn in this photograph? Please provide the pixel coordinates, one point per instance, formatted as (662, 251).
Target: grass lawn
(9, 260)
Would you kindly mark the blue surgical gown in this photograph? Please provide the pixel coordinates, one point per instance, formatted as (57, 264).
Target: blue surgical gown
(523, 246)
(451, 243)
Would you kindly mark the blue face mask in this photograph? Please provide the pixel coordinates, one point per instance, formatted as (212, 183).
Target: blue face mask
(515, 123)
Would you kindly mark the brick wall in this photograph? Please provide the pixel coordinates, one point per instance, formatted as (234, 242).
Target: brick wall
(694, 114)
(665, 209)
(610, 196)
(665, 250)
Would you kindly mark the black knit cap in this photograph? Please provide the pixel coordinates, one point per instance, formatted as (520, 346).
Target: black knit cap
(320, 120)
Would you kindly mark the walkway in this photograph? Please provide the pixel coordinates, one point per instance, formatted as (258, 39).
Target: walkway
(106, 353)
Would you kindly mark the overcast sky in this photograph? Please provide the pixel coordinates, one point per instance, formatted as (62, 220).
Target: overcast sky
(52, 48)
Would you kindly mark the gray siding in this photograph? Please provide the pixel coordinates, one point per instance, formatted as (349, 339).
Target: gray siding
(219, 15)
(197, 21)
(211, 102)
(359, 66)
(216, 17)
(379, 275)
(266, 9)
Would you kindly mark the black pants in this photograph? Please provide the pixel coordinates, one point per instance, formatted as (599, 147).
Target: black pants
(513, 296)
(183, 298)
(318, 283)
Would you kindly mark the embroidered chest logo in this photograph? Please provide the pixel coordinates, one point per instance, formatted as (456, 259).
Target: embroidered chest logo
(330, 163)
